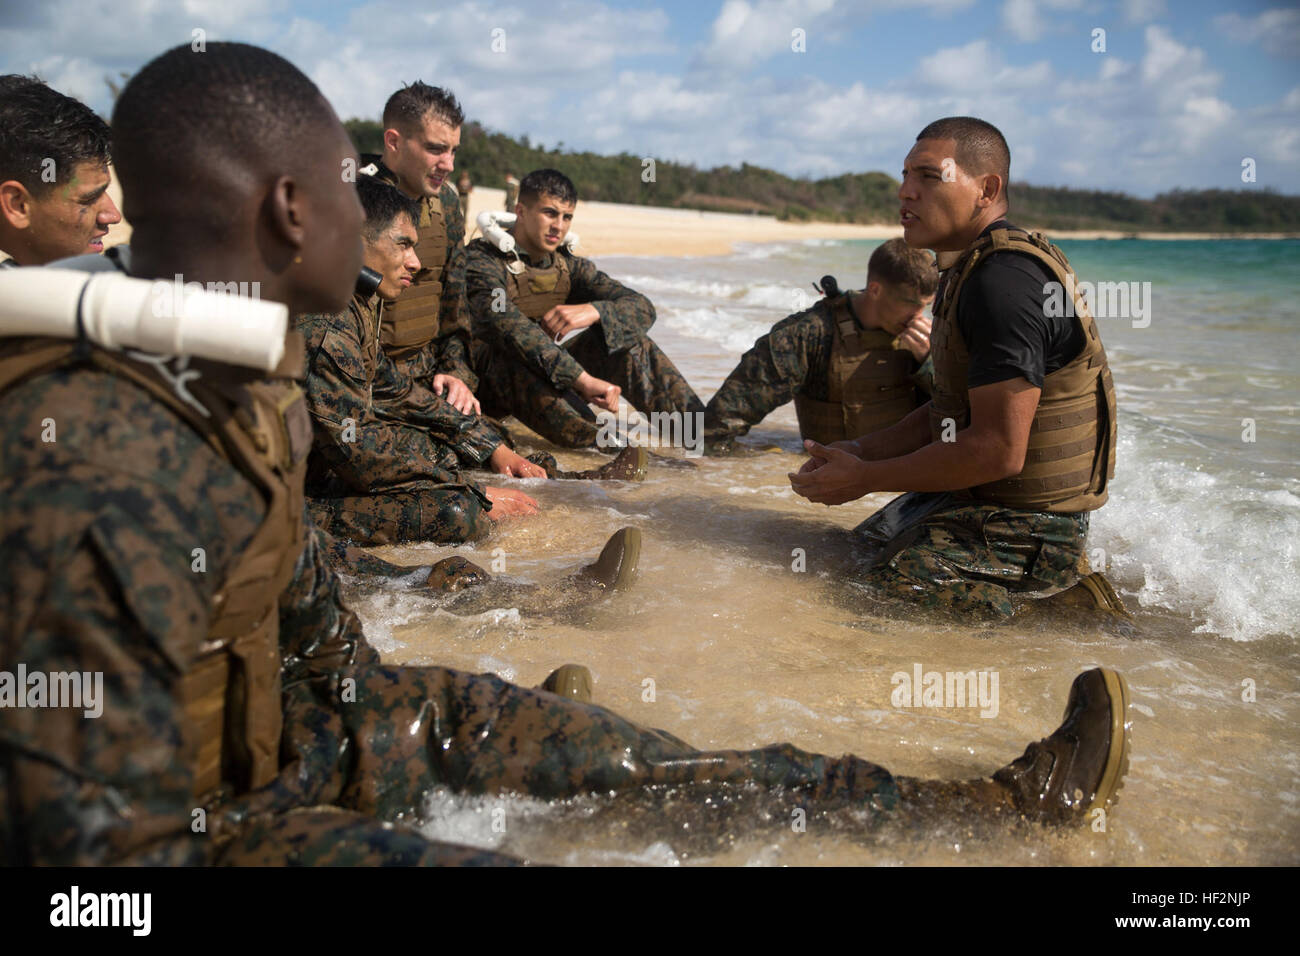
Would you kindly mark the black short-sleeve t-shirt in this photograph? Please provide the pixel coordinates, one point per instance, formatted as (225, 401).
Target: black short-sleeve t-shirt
(1007, 330)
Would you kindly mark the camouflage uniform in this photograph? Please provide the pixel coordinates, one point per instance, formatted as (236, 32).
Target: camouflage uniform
(385, 463)
(449, 351)
(945, 552)
(524, 373)
(96, 538)
(794, 357)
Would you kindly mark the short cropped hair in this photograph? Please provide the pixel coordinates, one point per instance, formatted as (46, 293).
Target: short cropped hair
(406, 109)
(38, 123)
(547, 182)
(383, 203)
(208, 119)
(981, 147)
(898, 265)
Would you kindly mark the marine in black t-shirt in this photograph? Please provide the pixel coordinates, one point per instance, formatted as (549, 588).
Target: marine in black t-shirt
(1007, 330)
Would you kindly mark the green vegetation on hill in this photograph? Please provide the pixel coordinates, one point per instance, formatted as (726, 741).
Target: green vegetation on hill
(852, 197)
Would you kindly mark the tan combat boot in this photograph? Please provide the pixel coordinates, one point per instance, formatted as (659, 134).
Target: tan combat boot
(572, 681)
(1059, 780)
(1092, 591)
(455, 574)
(616, 566)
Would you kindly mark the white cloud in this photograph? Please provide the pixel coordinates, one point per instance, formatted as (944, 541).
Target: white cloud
(745, 33)
(975, 68)
(1028, 20)
(1173, 73)
(1142, 11)
(1112, 67)
(1277, 31)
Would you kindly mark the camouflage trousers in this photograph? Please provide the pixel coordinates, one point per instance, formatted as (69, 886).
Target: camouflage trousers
(648, 378)
(414, 511)
(946, 552)
(378, 739)
(794, 357)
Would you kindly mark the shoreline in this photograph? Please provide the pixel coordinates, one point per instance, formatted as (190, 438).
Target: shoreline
(615, 229)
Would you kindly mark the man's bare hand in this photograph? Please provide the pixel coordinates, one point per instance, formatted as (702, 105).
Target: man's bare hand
(457, 393)
(831, 476)
(508, 503)
(563, 319)
(505, 461)
(915, 337)
(597, 391)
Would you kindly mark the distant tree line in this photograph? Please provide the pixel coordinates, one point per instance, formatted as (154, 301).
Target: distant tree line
(852, 197)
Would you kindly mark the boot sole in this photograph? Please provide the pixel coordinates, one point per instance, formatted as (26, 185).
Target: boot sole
(1112, 777)
(1104, 594)
(642, 465)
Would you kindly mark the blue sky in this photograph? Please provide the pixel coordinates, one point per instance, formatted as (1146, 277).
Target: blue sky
(1182, 93)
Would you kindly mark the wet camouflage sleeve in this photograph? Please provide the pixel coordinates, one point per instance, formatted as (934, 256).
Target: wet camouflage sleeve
(99, 531)
(367, 452)
(454, 334)
(793, 357)
(403, 401)
(625, 316)
(505, 328)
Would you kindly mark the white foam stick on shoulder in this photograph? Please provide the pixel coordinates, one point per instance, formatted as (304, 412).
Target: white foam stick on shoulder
(493, 225)
(160, 316)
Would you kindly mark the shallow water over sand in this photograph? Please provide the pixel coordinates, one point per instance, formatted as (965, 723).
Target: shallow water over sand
(744, 651)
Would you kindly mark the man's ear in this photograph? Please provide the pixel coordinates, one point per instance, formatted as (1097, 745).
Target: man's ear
(874, 289)
(15, 204)
(285, 214)
(991, 187)
(391, 140)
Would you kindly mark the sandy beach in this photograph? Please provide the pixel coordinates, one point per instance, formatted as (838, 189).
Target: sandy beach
(614, 229)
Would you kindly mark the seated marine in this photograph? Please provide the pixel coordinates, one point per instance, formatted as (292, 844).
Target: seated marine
(387, 453)
(853, 363)
(552, 332)
(428, 332)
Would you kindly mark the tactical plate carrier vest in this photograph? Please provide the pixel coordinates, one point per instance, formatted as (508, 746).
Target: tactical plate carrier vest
(259, 423)
(869, 386)
(411, 322)
(1071, 453)
(534, 292)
